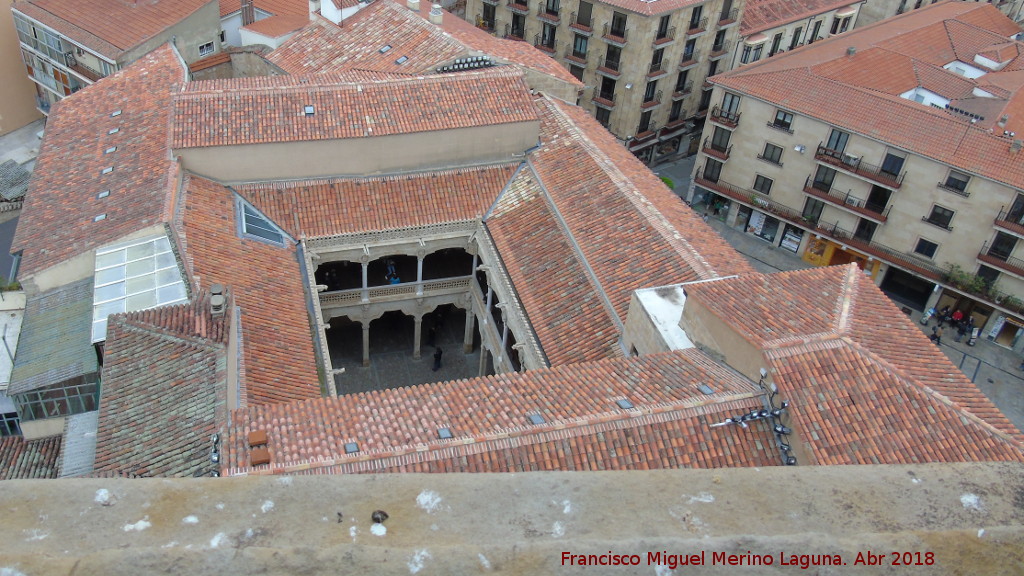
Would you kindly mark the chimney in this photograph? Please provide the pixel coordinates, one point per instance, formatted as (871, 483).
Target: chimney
(248, 13)
(851, 50)
(436, 14)
(414, 5)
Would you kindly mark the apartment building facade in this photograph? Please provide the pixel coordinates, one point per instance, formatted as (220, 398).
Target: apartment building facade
(771, 27)
(644, 64)
(66, 46)
(917, 176)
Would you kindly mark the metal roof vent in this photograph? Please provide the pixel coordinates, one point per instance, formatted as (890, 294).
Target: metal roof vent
(216, 288)
(115, 113)
(217, 304)
(705, 389)
(535, 419)
(103, 194)
(851, 50)
(113, 131)
(309, 110)
(107, 170)
(111, 149)
(100, 217)
(351, 447)
(436, 14)
(624, 404)
(444, 433)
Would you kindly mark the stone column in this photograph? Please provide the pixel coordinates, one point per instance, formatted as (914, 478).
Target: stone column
(365, 260)
(419, 275)
(483, 360)
(417, 335)
(504, 341)
(467, 339)
(366, 340)
(476, 260)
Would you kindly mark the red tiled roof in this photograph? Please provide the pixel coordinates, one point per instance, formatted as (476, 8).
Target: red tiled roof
(276, 26)
(25, 460)
(246, 111)
(274, 7)
(110, 28)
(329, 207)
(210, 61)
(326, 47)
(930, 36)
(564, 307)
(488, 418)
(866, 385)
(760, 15)
(57, 219)
(278, 361)
(164, 390)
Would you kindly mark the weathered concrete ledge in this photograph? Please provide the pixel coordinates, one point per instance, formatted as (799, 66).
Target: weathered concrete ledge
(970, 517)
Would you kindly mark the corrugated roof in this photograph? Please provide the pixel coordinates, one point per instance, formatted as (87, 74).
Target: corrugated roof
(55, 343)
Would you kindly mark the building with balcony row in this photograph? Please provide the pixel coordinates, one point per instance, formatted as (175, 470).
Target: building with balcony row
(893, 146)
(66, 45)
(644, 64)
(771, 27)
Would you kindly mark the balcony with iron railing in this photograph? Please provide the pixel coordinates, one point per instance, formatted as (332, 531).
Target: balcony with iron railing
(519, 6)
(512, 33)
(856, 166)
(549, 14)
(728, 18)
(544, 44)
(1011, 220)
(954, 189)
(683, 91)
(875, 249)
(615, 35)
(664, 37)
(1001, 260)
(647, 132)
(85, 72)
(938, 223)
(712, 148)
(395, 292)
(573, 55)
(651, 100)
(605, 98)
(697, 27)
(689, 59)
(725, 117)
(492, 2)
(847, 201)
(656, 70)
(720, 49)
(610, 68)
(781, 127)
(584, 27)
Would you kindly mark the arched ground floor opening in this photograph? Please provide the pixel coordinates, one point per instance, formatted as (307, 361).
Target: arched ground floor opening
(391, 351)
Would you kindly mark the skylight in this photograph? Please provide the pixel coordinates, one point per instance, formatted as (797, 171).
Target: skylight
(132, 276)
(255, 224)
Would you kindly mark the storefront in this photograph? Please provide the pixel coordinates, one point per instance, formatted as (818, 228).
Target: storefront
(821, 251)
(905, 288)
(763, 226)
(791, 238)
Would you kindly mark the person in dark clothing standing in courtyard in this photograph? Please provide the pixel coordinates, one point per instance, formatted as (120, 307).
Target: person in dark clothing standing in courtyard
(437, 359)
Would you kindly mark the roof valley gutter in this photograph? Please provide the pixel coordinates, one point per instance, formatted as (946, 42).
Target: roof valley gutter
(501, 194)
(609, 308)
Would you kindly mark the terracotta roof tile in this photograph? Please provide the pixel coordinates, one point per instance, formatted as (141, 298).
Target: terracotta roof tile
(164, 391)
(273, 7)
(278, 361)
(843, 353)
(104, 26)
(488, 418)
(57, 219)
(212, 114)
(328, 207)
(32, 459)
(760, 15)
(276, 26)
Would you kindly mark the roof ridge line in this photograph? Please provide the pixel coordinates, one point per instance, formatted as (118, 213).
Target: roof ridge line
(518, 436)
(844, 303)
(871, 356)
(162, 332)
(657, 221)
(591, 275)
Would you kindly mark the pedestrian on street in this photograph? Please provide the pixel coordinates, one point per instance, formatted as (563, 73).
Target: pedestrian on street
(937, 332)
(437, 359)
(961, 331)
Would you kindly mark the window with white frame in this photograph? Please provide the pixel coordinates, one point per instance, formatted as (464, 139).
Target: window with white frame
(206, 49)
